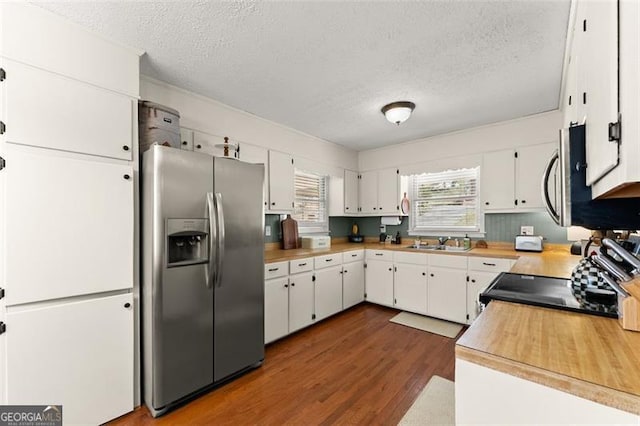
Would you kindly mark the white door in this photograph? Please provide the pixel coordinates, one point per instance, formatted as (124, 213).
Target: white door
(410, 288)
(276, 309)
(368, 192)
(379, 282)
(328, 292)
(352, 284)
(47, 110)
(599, 60)
(350, 192)
(497, 180)
(78, 354)
(69, 225)
(257, 155)
(300, 301)
(388, 199)
(281, 180)
(186, 139)
(447, 294)
(478, 282)
(529, 169)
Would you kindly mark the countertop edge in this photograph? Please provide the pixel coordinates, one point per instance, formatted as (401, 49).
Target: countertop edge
(591, 391)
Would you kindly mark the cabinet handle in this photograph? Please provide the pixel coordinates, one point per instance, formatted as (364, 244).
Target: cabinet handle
(379, 254)
(273, 269)
(431, 275)
(293, 284)
(328, 260)
(346, 208)
(126, 177)
(473, 281)
(127, 305)
(374, 208)
(354, 255)
(302, 264)
(488, 264)
(523, 201)
(184, 142)
(273, 204)
(198, 146)
(345, 271)
(486, 203)
(379, 208)
(424, 274)
(125, 147)
(341, 272)
(391, 269)
(286, 285)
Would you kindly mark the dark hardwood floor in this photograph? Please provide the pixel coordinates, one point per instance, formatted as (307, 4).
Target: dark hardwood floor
(354, 368)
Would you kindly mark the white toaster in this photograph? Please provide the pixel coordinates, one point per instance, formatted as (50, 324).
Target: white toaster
(529, 243)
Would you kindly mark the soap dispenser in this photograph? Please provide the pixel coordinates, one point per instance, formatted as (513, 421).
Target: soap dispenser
(398, 238)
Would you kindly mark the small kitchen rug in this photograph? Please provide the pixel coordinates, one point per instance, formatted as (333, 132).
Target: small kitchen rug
(432, 325)
(434, 406)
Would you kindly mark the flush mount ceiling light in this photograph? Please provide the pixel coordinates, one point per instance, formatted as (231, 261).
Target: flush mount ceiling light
(398, 112)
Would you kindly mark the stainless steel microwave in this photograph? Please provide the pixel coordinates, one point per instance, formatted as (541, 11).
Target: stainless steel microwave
(567, 197)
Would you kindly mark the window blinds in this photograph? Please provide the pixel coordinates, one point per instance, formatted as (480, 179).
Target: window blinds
(446, 200)
(310, 202)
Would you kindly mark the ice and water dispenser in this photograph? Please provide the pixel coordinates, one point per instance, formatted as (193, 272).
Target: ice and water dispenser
(187, 241)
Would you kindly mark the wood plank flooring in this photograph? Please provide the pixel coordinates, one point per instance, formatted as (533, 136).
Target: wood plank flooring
(354, 368)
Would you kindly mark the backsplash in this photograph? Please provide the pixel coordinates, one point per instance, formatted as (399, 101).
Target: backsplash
(498, 226)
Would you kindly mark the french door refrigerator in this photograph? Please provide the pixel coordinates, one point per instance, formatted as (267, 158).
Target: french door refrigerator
(202, 272)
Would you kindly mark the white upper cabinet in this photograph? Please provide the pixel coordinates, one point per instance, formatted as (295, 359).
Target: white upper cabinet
(44, 109)
(529, 169)
(37, 37)
(88, 367)
(368, 192)
(257, 155)
(281, 181)
(350, 192)
(497, 180)
(186, 139)
(388, 188)
(69, 225)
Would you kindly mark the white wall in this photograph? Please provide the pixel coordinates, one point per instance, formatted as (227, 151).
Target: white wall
(209, 116)
(532, 130)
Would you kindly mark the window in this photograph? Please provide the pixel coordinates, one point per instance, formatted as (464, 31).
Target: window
(445, 201)
(310, 202)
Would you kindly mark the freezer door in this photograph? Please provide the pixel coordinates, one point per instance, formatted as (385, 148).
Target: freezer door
(239, 279)
(177, 297)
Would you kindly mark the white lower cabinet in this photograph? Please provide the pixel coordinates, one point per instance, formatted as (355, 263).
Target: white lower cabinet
(301, 304)
(379, 282)
(328, 292)
(352, 283)
(447, 294)
(410, 287)
(78, 354)
(478, 282)
(276, 309)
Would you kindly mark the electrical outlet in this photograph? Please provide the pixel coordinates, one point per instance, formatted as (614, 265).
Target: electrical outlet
(526, 230)
(383, 228)
(267, 230)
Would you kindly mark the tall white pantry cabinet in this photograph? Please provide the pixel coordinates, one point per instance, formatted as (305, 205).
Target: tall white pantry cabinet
(68, 142)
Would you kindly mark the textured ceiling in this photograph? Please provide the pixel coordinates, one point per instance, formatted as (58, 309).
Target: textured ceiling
(327, 67)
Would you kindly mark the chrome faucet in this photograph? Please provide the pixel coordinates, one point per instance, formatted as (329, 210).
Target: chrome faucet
(442, 240)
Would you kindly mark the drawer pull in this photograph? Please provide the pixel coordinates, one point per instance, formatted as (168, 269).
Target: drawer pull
(273, 269)
(488, 264)
(328, 260)
(302, 264)
(354, 255)
(379, 254)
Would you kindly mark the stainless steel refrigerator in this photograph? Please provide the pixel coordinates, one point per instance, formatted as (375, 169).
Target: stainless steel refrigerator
(202, 274)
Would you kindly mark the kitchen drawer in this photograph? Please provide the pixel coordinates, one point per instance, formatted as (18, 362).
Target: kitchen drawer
(275, 270)
(448, 261)
(379, 255)
(301, 265)
(489, 264)
(352, 256)
(413, 258)
(328, 260)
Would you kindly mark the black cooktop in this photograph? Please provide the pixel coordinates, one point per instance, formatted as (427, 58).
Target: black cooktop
(547, 292)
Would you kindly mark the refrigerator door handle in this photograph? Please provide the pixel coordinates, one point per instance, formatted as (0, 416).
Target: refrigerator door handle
(219, 238)
(210, 267)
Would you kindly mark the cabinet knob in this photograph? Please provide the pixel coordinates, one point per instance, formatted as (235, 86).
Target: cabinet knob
(486, 203)
(345, 271)
(293, 284)
(523, 201)
(473, 281)
(126, 177)
(391, 269)
(198, 146)
(431, 275)
(379, 208)
(346, 208)
(125, 147)
(286, 285)
(374, 208)
(424, 274)
(273, 204)
(184, 142)
(127, 305)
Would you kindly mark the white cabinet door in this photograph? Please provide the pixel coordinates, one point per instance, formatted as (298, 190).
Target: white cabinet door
(352, 284)
(257, 155)
(599, 92)
(186, 139)
(300, 301)
(206, 144)
(328, 292)
(379, 282)
(78, 354)
(281, 179)
(447, 294)
(497, 180)
(388, 187)
(529, 169)
(368, 192)
(478, 282)
(350, 192)
(276, 309)
(410, 288)
(47, 110)
(76, 225)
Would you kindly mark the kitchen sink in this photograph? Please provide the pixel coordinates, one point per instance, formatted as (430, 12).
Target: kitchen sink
(438, 248)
